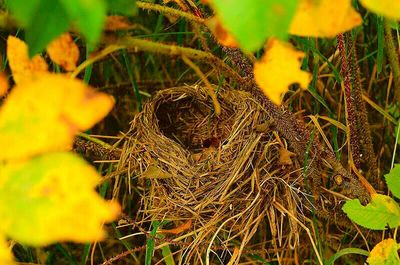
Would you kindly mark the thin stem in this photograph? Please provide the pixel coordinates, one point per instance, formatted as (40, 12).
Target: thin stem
(168, 10)
(95, 140)
(135, 45)
(393, 57)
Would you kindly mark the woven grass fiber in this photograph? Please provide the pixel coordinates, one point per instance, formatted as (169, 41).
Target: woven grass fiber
(220, 174)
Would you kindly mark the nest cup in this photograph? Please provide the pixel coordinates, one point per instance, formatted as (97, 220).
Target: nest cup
(221, 172)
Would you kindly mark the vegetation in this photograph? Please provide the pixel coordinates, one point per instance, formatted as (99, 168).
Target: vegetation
(199, 132)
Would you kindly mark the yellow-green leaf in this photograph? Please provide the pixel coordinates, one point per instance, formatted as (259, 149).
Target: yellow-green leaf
(384, 253)
(393, 180)
(5, 253)
(278, 69)
(324, 18)
(387, 8)
(381, 212)
(52, 198)
(44, 115)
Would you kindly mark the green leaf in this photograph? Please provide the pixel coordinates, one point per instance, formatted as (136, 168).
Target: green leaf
(49, 22)
(123, 7)
(52, 198)
(150, 243)
(380, 212)
(251, 22)
(346, 251)
(24, 11)
(89, 16)
(393, 180)
(384, 253)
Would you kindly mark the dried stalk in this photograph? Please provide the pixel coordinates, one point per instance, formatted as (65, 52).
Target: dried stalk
(351, 118)
(364, 132)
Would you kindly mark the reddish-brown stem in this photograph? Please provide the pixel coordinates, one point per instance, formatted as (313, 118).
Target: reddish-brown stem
(364, 131)
(351, 117)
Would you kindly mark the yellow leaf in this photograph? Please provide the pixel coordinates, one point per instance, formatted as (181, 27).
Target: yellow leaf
(4, 86)
(384, 253)
(44, 115)
(52, 198)
(221, 33)
(324, 18)
(387, 8)
(278, 69)
(5, 253)
(22, 67)
(64, 52)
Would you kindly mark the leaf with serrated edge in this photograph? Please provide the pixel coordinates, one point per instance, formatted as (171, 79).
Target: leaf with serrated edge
(45, 114)
(324, 18)
(381, 212)
(52, 198)
(393, 180)
(384, 253)
(278, 69)
(22, 67)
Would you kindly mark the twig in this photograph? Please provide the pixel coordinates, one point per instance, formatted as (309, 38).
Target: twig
(95, 149)
(135, 45)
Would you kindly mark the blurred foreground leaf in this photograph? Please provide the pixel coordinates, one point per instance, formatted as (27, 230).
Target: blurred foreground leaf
(22, 67)
(45, 114)
(52, 198)
(64, 52)
(251, 22)
(324, 18)
(387, 8)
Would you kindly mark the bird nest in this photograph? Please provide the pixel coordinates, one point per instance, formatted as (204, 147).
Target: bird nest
(219, 175)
